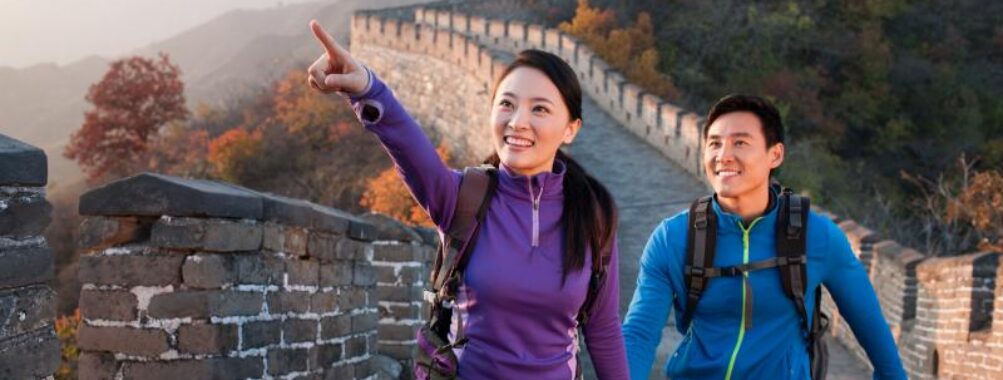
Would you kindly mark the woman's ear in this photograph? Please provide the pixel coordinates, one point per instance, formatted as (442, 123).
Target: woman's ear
(572, 130)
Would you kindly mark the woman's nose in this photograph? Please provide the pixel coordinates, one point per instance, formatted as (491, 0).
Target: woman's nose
(519, 120)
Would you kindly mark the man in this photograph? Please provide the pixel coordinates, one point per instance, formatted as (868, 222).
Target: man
(741, 323)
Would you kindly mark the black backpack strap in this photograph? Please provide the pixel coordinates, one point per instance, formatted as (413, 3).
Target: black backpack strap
(476, 189)
(600, 262)
(792, 227)
(700, 248)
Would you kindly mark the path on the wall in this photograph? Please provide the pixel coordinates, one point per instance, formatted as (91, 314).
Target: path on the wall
(648, 187)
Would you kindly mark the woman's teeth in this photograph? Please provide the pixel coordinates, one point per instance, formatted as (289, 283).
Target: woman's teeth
(518, 141)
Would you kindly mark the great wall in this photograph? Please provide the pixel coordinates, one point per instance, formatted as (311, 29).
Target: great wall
(197, 279)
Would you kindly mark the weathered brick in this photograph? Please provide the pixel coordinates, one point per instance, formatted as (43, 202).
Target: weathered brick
(349, 249)
(363, 274)
(207, 338)
(336, 273)
(340, 371)
(211, 368)
(324, 302)
(286, 360)
(291, 240)
(157, 194)
(260, 269)
(96, 366)
(398, 252)
(194, 304)
(289, 302)
(24, 213)
(208, 234)
(140, 269)
(397, 351)
(398, 293)
(388, 228)
(397, 333)
(25, 265)
(303, 272)
(355, 346)
(21, 164)
(322, 245)
(26, 309)
(99, 232)
(413, 275)
(234, 303)
(115, 305)
(126, 340)
(209, 270)
(351, 298)
(299, 330)
(260, 334)
(363, 322)
(407, 311)
(363, 369)
(386, 275)
(328, 354)
(336, 326)
(33, 355)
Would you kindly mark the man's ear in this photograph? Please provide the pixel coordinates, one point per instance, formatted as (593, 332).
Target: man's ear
(776, 153)
(572, 130)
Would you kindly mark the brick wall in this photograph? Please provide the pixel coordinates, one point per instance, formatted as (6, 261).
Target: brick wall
(197, 279)
(29, 348)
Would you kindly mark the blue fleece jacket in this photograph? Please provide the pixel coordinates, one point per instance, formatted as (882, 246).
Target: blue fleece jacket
(716, 345)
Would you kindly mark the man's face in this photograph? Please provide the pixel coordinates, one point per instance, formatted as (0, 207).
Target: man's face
(736, 160)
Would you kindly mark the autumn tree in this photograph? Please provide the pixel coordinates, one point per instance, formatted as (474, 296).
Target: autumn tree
(386, 193)
(132, 101)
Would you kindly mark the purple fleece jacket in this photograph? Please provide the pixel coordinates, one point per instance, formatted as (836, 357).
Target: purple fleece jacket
(520, 320)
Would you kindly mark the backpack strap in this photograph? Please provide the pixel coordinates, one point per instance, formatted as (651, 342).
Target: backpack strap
(792, 227)
(599, 264)
(701, 239)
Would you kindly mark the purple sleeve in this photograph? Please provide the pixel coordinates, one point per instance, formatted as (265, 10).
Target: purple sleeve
(602, 331)
(432, 184)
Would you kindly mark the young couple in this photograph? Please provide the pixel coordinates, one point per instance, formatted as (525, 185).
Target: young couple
(530, 270)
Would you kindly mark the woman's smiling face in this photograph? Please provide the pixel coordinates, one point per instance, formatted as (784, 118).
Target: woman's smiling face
(530, 121)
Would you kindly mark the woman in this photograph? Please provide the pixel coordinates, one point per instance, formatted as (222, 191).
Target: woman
(530, 268)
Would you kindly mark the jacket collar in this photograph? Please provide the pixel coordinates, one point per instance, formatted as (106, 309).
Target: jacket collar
(519, 186)
(731, 222)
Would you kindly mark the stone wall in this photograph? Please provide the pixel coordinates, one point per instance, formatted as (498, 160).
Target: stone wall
(197, 279)
(29, 348)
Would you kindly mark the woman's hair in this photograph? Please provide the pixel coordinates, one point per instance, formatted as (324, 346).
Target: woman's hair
(590, 216)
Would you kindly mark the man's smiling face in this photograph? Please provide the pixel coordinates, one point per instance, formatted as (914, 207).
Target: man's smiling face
(736, 159)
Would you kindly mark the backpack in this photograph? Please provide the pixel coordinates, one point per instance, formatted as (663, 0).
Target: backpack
(434, 359)
(791, 259)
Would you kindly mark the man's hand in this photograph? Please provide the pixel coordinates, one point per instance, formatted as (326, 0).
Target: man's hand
(335, 70)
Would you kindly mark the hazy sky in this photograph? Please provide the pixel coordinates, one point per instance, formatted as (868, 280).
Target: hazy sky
(63, 31)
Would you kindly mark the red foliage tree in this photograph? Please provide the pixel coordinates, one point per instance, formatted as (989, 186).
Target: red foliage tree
(134, 99)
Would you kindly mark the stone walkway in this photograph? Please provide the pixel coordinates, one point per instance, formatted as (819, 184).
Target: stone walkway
(648, 187)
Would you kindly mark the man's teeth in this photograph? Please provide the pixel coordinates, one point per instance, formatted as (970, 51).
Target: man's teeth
(727, 173)
(517, 141)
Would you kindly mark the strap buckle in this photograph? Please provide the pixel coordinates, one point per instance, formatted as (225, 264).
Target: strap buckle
(696, 271)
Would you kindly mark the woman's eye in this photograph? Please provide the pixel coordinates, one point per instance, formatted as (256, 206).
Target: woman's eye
(505, 104)
(541, 109)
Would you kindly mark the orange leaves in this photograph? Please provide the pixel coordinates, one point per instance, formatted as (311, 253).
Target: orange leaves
(131, 102)
(232, 151)
(386, 193)
(66, 330)
(631, 50)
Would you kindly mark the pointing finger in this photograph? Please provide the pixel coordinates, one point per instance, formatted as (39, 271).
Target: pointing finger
(334, 51)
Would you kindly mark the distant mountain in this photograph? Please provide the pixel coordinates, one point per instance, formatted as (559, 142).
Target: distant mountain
(44, 104)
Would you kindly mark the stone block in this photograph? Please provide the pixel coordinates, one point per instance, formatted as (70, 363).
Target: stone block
(151, 194)
(207, 338)
(260, 269)
(261, 334)
(96, 366)
(210, 368)
(299, 330)
(114, 305)
(34, 355)
(98, 232)
(352, 298)
(208, 271)
(139, 269)
(23, 213)
(289, 302)
(25, 265)
(303, 272)
(21, 164)
(336, 273)
(125, 340)
(208, 234)
(26, 309)
(285, 360)
(363, 274)
(280, 238)
(336, 326)
(324, 302)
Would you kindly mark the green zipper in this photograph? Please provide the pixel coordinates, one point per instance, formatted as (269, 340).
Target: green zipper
(741, 327)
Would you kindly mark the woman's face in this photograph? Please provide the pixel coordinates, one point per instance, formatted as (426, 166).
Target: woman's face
(529, 121)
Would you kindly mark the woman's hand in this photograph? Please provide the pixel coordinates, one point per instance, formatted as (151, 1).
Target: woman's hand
(335, 70)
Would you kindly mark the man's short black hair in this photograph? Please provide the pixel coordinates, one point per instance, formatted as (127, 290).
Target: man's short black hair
(769, 116)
